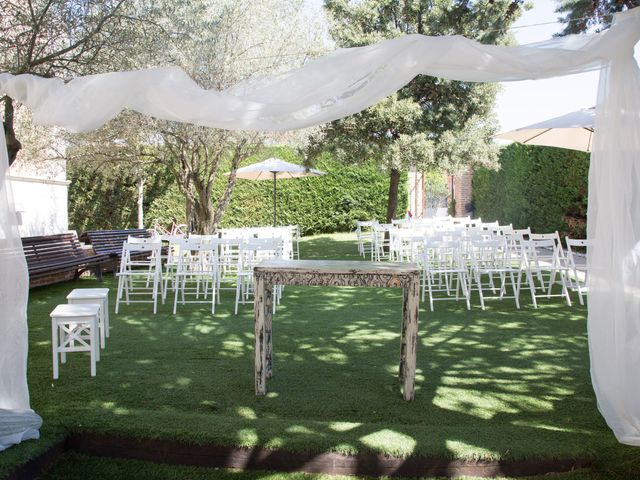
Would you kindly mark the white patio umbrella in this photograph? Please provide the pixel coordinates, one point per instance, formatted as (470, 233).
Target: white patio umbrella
(273, 169)
(573, 131)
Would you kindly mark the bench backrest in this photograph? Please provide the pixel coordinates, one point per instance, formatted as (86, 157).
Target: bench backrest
(110, 241)
(51, 248)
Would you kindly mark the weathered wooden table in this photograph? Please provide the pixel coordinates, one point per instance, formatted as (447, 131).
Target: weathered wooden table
(336, 274)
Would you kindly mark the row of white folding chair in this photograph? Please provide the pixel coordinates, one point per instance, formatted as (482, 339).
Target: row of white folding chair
(222, 253)
(201, 264)
(406, 245)
(468, 261)
(290, 234)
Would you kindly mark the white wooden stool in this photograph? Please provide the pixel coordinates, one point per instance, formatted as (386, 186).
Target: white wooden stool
(94, 295)
(74, 328)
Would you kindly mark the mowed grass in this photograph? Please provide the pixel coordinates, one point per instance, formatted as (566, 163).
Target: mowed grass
(495, 384)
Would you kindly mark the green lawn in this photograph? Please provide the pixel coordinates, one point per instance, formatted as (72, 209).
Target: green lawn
(495, 384)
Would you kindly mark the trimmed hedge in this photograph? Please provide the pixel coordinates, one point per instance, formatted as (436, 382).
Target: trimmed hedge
(543, 188)
(105, 198)
(326, 204)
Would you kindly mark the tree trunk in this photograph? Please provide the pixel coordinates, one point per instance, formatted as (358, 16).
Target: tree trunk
(13, 144)
(200, 212)
(392, 205)
(141, 201)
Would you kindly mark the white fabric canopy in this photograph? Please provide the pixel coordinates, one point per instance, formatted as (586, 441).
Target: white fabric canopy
(349, 80)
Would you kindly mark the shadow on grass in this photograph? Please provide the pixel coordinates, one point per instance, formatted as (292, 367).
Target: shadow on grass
(495, 384)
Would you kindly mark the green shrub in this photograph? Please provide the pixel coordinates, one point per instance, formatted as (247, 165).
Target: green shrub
(541, 187)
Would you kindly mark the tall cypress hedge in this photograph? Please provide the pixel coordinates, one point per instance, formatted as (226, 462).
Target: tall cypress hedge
(330, 203)
(543, 188)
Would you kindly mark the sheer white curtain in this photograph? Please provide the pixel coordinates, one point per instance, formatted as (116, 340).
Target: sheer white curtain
(17, 421)
(349, 80)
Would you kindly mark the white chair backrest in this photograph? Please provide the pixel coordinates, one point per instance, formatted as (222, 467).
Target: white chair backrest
(523, 231)
(505, 229)
(131, 239)
(576, 242)
(146, 246)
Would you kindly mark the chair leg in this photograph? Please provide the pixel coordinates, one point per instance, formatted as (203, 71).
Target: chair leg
(119, 295)
(532, 288)
(155, 294)
(54, 342)
(238, 287)
(467, 290)
(430, 291)
(516, 292)
(565, 288)
(479, 282)
(175, 298)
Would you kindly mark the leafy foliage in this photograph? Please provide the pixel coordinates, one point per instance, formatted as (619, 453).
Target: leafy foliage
(589, 15)
(541, 187)
(330, 203)
(403, 130)
(104, 197)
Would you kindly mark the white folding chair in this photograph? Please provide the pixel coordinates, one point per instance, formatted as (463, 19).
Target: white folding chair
(364, 233)
(578, 276)
(140, 276)
(170, 258)
(295, 239)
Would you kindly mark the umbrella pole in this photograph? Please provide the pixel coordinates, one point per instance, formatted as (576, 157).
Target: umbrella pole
(274, 199)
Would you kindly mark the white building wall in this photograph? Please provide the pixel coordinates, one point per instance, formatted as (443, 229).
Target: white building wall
(41, 205)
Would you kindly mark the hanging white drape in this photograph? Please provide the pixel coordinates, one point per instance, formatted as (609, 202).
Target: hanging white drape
(17, 421)
(349, 80)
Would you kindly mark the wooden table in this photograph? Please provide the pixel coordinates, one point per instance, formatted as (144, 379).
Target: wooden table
(332, 273)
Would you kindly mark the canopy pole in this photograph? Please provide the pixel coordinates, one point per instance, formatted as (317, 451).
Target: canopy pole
(274, 198)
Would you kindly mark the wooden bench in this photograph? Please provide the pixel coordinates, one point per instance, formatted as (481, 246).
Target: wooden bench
(50, 257)
(109, 242)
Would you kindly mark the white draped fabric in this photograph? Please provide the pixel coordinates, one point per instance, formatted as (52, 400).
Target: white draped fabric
(349, 80)
(17, 422)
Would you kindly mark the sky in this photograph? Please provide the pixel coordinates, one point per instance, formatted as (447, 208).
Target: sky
(523, 103)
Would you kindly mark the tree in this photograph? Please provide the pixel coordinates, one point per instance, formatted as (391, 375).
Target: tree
(385, 133)
(590, 15)
(219, 43)
(404, 130)
(60, 38)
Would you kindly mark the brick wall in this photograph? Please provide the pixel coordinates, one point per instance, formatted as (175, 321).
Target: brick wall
(462, 192)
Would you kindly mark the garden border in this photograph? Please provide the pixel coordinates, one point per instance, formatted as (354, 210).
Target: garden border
(173, 452)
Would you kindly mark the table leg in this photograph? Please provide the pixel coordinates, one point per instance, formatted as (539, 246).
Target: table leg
(409, 338)
(259, 328)
(403, 336)
(268, 328)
